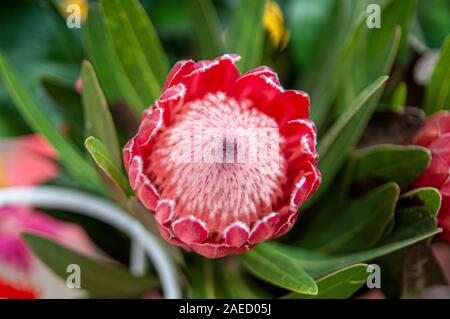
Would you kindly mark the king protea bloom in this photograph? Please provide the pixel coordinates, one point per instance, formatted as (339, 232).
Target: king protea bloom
(435, 135)
(223, 160)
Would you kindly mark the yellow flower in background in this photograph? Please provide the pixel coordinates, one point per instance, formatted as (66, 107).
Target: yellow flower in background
(82, 4)
(274, 24)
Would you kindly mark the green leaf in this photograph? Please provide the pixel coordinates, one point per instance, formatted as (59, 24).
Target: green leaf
(434, 19)
(138, 47)
(278, 269)
(103, 158)
(98, 120)
(360, 226)
(336, 145)
(68, 102)
(204, 280)
(239, 286)
(306, 20)
(99, 279)
(372, 51)
(437, 95)
(400, 164)
(322, 81)
(75, 164)
(427, 196)
(398, 100)
(247, 33)
(101, 52)
(412, 225)
(207, 28)
(341, 284)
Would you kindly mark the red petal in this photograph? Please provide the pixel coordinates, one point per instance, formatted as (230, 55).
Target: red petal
(300, 138)
(236, 234)
(260, 86)
(165, 211)
(147, 192)
(210, 76)
(264, 228)
(306, 184)
(289, 105)
(168, 236)
(190, 229)
(127, 153)
(151, 123)
(435, 175)
(177, 72)
(135, 170)
(434, 127)
(212, 250)
(441, 147)
(171, 100)
(286, 223)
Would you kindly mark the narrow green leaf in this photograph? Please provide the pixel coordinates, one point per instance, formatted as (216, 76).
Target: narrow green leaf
(336, 145)
(68, 102)
(101, 52)
(334, 133)
(204, 280)
(137, 45)
(412, 225)
(427, 196)
(372, 52)
(99, 279)
(400, 164)
(306, 20)
(278, 269)
(103, 158)
(360, 226)
(247, 33)
(238, 286)
(437, 95)
(207, 28)
(322, 82)
(98, 120)
(341, 284)
(398, 100)
(75, 164)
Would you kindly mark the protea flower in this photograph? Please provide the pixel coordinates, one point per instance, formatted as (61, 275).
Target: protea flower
(223, 160)
(435, 135)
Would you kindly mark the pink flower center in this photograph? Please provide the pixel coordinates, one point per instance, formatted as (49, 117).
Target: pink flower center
(221, 161)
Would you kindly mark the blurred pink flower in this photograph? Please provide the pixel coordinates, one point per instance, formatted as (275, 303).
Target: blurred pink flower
(29, 160)
(26, 160)
(17, 263)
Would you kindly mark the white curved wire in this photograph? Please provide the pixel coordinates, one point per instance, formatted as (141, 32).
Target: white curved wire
(89, 205)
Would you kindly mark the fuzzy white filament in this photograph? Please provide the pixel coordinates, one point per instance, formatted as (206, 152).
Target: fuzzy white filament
(89, 205)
